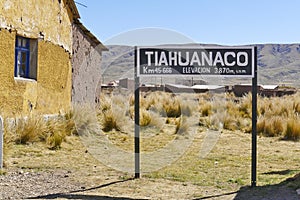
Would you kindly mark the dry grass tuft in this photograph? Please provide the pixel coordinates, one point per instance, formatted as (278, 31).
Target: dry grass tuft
(206, 109)
(223, 111)
(181, 125)
(51, 130)
(28, 129)
(109, 121)
(82, 120)
(292, 129)
(56, 132)
(113, 119)
(273, 127)
(172, 107)
(145, 117)
(245, 106)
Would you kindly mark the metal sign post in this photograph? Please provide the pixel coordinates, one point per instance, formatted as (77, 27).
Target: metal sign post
(136, 119)
(254, 122)
(214, 61)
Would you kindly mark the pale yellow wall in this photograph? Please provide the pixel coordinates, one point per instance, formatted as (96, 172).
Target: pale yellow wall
(30, 17)
(51, 93)
(54, 78)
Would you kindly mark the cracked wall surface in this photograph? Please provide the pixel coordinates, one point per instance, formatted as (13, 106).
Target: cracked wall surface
(86, 68)
(48, 21)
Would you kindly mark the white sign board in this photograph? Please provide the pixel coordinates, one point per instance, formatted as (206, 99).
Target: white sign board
(216, 61)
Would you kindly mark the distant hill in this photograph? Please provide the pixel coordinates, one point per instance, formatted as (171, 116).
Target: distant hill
(277, 64)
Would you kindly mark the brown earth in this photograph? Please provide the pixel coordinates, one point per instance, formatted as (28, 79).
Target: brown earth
(34, 172)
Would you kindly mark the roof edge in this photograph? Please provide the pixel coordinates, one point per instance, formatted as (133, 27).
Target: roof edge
(73, 8)
(90, 35)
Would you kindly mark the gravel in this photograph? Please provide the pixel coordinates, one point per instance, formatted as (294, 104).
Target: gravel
(34, 185)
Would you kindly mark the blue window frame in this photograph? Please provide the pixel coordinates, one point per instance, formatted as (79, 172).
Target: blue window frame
(22, 57)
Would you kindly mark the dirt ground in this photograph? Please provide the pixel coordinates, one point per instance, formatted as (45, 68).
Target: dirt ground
(35, 172)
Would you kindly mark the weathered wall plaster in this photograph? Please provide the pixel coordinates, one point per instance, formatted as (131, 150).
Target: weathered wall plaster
(86, 62)
(49, 21)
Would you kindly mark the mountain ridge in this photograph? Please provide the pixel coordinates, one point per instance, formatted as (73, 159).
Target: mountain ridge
(277, 63)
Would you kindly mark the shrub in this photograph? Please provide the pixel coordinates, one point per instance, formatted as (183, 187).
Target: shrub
(260, 125)
(148, 100)
(206, 109)
(114, 118)
(296, 108)
(216, 122)
(58, 128)
(55, 139)
(204, 121)
(29, 129)
(105, 103)
(278, 126)
(109, 121)
(56, 133)
(145, 117)
(130, 112)
(245, 106)
(270, 127)
(83, 120)
(168, 120)
(172, 107)
(229, 122)
(292, 131)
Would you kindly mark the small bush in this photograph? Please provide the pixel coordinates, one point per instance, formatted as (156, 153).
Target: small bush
(145, 118)
(229, 122)
(278, 126)
(204, 121)
(56, 134)
(292, 131)
(260, 126)
(105, 104)
(245, 106)
(168, 121)
(206, 109)
(130, 112)
(29, 129)
(172, 108)
(296, 107)
(271, 127)
(216, 122)
(83, 121)
(109, 121)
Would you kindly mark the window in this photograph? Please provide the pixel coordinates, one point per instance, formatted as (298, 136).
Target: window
(26, 58)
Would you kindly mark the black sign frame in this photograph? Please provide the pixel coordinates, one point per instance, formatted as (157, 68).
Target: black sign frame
(253, 75)
(214, 61)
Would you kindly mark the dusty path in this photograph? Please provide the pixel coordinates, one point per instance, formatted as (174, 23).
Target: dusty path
(59, 185)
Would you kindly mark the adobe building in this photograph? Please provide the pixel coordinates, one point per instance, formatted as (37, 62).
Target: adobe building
(36, 43)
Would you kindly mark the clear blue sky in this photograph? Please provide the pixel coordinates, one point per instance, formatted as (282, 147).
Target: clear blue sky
(231, 22)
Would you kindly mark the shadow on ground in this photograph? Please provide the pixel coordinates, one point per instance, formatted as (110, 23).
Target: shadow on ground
(285, 190)
(73, 195)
